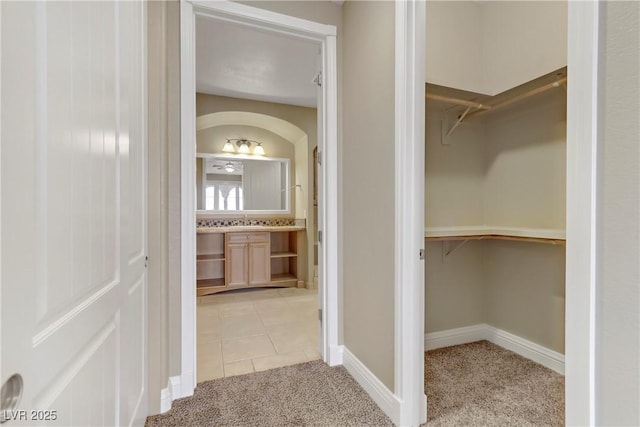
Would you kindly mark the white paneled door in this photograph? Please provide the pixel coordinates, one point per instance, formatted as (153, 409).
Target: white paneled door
(73, 220)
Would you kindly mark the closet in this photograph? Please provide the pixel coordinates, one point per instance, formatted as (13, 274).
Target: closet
(495, 176)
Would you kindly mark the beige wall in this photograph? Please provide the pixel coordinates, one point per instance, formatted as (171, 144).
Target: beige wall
(455, 173)
(524, 290)
(368, 184)
(455, 287)
(525, 160)
(618, 290)
(491, 46)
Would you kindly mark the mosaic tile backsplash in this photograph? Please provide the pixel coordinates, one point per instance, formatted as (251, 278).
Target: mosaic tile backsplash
(230, 222)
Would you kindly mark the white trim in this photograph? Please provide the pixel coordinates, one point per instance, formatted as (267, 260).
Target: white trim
(481, 230)
(525, 348)
(336, 355)
(325, 35)
(456, 336)
(581, 250)
(409, 211)
(187, 197)
(384, 398)
(170, 393)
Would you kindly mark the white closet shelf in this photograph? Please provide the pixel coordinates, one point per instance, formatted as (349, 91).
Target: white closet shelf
(483, 232)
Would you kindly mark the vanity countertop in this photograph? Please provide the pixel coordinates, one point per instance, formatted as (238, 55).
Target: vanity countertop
(245, 228)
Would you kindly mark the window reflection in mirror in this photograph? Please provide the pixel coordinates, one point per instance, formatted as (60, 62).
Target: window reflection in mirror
(237, 183)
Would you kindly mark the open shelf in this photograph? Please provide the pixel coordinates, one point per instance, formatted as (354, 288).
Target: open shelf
(208, 283)
(283, 277)
(283, 254)
(210, 257)
(544, 235)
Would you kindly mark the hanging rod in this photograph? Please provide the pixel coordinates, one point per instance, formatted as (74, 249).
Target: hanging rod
(533, 92)
(457, 101)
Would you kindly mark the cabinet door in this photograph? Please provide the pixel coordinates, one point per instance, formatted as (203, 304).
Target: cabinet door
(259, 263)
(237, 261)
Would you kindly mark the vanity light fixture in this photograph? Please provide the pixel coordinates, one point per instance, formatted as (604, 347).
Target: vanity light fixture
(258, 151)
(244, 146)
(228, 147)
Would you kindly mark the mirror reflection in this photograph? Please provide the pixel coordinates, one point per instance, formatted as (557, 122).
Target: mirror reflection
(235, 183)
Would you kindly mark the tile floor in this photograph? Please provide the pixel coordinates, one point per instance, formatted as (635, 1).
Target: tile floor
(254, 330)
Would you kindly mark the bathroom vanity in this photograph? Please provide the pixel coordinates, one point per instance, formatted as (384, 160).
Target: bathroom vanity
(236, 257)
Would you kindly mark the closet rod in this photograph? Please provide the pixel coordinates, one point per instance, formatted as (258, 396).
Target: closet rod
(457, 101)
(520, 97)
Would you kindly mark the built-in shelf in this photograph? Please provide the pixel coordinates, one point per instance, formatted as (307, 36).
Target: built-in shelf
(283, 254)
(207, 283)
(210, 257)
(553, 236)
(283, 277)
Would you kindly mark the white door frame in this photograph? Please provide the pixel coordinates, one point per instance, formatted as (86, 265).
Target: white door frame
(325, 35)
(581, 249)
(410, 41)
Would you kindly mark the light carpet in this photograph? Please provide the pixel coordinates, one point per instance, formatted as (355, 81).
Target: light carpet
(477, 384)
(309, 394)
(482, 384)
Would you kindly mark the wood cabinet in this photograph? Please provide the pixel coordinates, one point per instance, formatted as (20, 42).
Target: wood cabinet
(235, 260)
(247, 259)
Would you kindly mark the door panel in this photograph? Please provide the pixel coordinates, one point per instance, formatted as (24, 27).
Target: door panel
(73, 220)
(236, 264)
(259, 263)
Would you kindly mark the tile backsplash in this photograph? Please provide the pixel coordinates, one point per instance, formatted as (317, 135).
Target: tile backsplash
(230, 222)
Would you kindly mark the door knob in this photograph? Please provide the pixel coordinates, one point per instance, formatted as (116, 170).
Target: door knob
(10, 396)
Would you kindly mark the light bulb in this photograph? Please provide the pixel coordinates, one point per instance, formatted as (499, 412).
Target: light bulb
(244, 148)
(228, 147)
(259, 150)
(229, 167)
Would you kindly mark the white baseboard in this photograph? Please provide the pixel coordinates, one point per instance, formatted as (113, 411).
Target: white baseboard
(170, 393)
(380, 394)
(456, 336)
(336, 355)
(542, 355)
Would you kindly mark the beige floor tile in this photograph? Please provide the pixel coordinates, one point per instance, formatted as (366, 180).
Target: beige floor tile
(209, 359)
(209, 371)
(240, 367)
(301, 299)
(236, 309)
(292, 339)
(279, 360)
(286, 292)
(279, 317)
(247, 348)
(265, 294)
(208, 337)
(271, 305)
(241, 326)
(207, 324)
(312, 353)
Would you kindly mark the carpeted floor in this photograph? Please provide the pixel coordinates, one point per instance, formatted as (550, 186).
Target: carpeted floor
(484, 384)
(477, 384)
(309, 394)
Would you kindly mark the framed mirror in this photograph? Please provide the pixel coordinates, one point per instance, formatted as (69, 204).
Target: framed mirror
(242, 184)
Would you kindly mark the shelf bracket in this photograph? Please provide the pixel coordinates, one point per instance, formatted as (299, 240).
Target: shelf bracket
(446, 133)
(449, 248)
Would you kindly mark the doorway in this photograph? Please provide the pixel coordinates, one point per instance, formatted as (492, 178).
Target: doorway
(323, 36)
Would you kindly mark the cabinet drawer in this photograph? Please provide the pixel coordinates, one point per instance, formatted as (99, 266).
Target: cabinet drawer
(253, 237)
